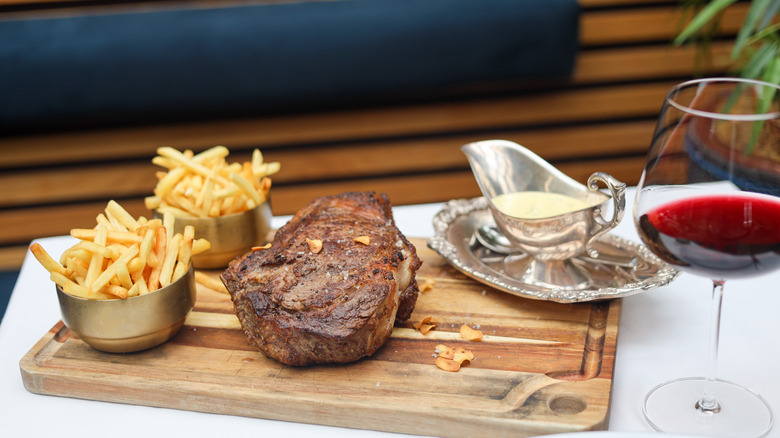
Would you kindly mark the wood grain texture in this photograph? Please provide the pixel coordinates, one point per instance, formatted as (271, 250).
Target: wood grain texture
(642, 24)
(136, 178)
(542, 368)
(647, 62)
(12, 257)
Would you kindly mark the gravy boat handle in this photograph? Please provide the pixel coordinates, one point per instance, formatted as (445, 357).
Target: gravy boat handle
(618, 191)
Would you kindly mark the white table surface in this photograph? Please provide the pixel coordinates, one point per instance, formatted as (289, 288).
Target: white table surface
(662, 336)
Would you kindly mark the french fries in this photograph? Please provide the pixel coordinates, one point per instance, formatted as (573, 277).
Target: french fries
(122, 256)
(205, 185)
(210, 282)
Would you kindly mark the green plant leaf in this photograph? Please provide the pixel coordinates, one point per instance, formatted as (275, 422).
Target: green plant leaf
(755, 13)
(771, 75)
(771, 11)
(755, 66)
(704, 16)
(767, 33)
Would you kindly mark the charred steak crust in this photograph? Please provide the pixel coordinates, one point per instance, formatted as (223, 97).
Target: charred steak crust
(338, 305)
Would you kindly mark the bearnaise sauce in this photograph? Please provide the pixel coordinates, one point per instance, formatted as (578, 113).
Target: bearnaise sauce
(537, 205)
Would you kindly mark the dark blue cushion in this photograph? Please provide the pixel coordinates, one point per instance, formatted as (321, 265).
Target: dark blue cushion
(7, 283)
(174, 64)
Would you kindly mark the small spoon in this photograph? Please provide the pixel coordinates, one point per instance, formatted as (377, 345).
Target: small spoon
(491, 238)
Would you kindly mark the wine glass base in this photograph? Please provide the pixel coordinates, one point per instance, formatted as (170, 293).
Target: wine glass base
(672, 407)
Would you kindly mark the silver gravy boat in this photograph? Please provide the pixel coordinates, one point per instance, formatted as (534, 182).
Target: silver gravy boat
(541, 251)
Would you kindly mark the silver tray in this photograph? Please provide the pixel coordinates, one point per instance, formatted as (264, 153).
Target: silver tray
(458, 220)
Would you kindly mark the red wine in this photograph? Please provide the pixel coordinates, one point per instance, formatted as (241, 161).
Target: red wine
(720, 236)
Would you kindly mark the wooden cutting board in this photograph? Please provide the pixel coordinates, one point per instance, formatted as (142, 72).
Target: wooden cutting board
(541, 368)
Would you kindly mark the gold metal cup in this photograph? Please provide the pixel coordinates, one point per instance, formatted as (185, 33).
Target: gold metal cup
(230, 236)
(131, 324)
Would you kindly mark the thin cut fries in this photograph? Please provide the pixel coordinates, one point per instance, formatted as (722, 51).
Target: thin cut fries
(122, 256)
(210, 282)
(205, 185)
(46, 260)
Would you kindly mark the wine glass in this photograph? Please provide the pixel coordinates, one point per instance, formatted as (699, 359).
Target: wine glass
(708, 203)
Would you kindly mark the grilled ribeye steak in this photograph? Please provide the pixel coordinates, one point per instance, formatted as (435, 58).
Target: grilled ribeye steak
(334, 306)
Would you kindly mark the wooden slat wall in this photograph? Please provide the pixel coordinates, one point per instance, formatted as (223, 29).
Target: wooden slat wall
(600, 120)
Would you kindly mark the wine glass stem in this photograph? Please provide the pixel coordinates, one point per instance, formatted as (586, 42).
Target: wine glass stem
(708, 404)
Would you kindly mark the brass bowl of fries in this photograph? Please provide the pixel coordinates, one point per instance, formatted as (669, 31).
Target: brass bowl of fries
(128, 284)
(130, 324)
(230, 236)
(226, 203)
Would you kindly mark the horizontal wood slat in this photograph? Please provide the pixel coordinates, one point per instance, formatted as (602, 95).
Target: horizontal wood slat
(12, 257)
(651, 24)
(34, 222)
(137, 178)
(426, 188)
(648, 62)
(25, 224)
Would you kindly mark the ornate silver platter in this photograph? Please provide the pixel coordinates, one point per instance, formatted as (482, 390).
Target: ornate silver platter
(455, 227)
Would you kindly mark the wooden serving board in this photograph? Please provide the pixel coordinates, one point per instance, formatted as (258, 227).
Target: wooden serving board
(541, 368)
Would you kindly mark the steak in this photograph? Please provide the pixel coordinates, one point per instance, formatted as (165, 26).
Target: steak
(301, 306)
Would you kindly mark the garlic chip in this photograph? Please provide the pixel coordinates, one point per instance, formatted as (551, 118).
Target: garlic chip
(451, 359)
(427, 285)
(447, 364)
(315, 245)
(470, 334)
(424, 325)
